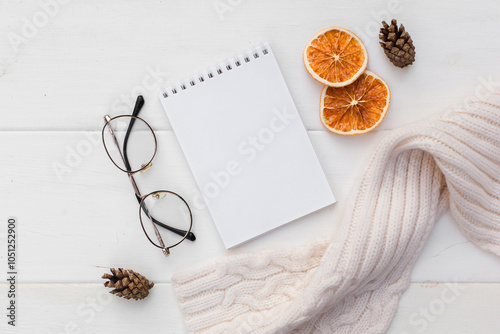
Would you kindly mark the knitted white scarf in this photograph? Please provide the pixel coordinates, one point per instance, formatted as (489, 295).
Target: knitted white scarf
(352, 284)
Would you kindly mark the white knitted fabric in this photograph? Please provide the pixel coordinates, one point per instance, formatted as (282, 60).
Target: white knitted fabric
(352, 284)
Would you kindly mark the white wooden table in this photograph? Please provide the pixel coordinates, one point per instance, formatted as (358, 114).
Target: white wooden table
(63, 67)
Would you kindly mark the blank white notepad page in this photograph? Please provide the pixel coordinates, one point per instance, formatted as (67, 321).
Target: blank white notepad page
(246, 146)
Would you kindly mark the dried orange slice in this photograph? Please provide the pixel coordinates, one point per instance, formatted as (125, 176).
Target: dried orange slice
(335, 57)
(357, 108)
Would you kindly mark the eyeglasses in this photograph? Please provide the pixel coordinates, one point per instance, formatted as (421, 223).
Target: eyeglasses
(133, 152)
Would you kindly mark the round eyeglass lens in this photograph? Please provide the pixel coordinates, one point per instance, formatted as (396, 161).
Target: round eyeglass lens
(130, 142)
(168, 214)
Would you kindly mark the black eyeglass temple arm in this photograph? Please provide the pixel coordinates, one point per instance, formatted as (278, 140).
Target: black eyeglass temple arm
(190, 236)
(139, 103)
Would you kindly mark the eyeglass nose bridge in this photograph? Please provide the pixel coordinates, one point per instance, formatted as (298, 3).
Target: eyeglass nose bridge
(134, 185)
(132, 179)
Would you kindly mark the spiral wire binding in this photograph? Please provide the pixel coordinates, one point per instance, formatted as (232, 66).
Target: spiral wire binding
(219, 69)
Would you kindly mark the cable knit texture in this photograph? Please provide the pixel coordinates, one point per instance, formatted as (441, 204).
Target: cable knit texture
(352, 283)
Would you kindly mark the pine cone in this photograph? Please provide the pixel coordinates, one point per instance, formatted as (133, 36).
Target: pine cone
(128, 284)
(397, 44)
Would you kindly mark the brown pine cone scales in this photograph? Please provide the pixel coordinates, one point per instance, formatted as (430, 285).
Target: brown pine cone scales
(397, 44)
(127, 284)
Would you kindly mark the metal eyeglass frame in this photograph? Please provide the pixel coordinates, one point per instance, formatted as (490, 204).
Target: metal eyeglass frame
(140, 198)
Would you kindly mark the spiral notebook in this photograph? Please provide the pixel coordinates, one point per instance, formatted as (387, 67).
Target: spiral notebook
(246, 145)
